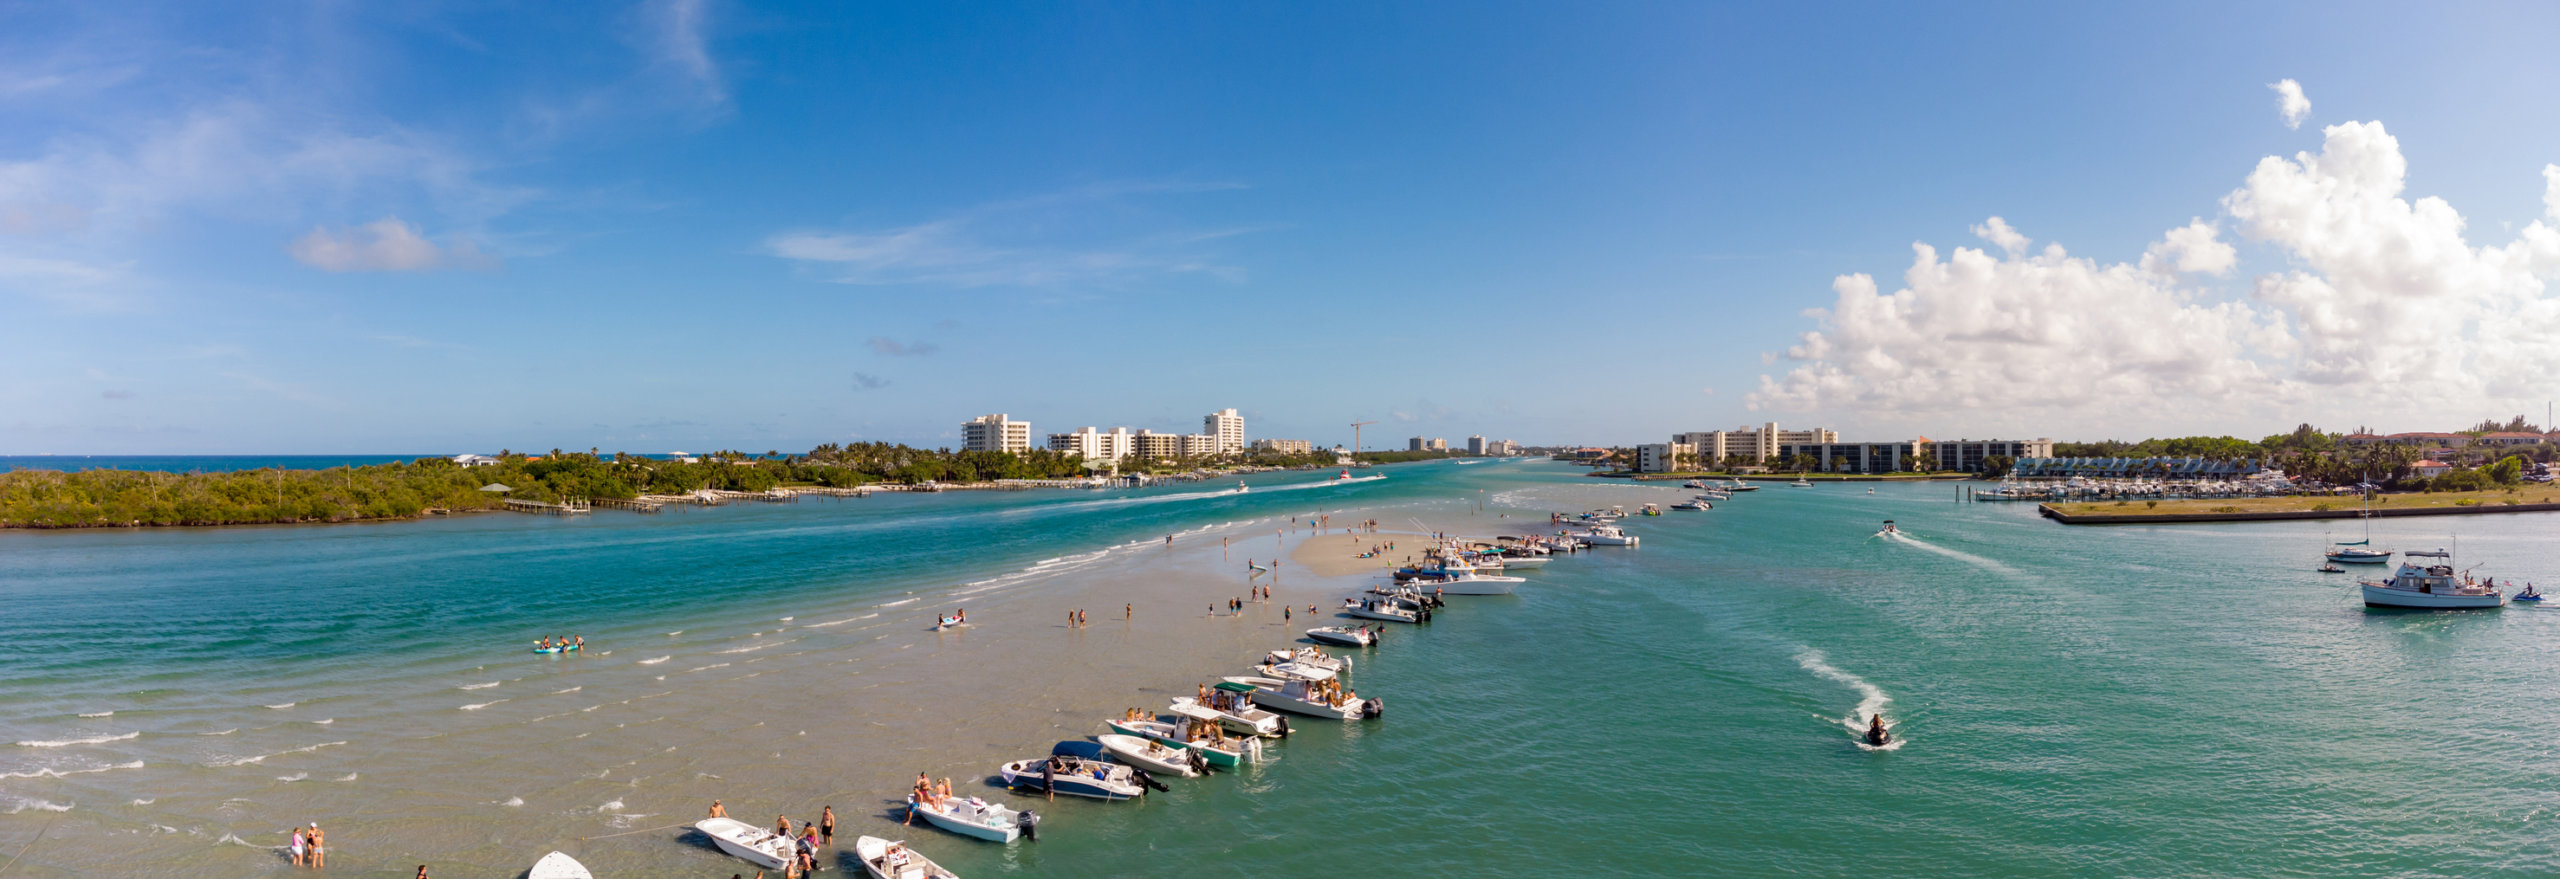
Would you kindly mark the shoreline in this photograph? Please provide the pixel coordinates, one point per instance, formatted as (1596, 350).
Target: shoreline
(2049, 511)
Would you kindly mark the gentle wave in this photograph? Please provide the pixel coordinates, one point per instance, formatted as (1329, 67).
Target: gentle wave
(899, 602)
(751, 648)
(50, 773)
(298, 776)
(228, 839)
(657, 660)
(481, 705)
(512, 802)
(569, 690)
(477, 686)
(283, 706)
(65, 743)
(707, 667)
(841, 621)
(145, 801)
(786, 619)
(348, 777)
(41, 805)
(222, 733)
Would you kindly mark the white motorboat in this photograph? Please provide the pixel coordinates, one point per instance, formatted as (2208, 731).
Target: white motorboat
(1694, 483)
(971, 816)
(1607, 535)
(1698, 506)
(755, 845)
(1888, 530)
(1295, 671)
(1382, 611)
(1801, 482)
(1464, 584)
(1523, 561)
(1739, 485)
(1076, 768)
(1311, 656)
(1311, 698)
(885, 859)
(558, 866)
(1154, 756)
(1243, 718)
(1204, 737)
(2432, 586)
(1346, 636)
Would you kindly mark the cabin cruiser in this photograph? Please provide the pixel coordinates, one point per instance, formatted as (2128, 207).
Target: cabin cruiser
(2427, 580)
(1358, 636)
(1324, 699)
(1077, 769)
(1693, 505)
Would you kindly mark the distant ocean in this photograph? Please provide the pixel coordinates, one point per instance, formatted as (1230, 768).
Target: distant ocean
(194, 463)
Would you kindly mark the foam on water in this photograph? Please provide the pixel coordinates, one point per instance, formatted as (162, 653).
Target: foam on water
(481, 705)
(477, 686)
(58, 773)
(21, 804)
(569, 690)
(1871, 698)
(283, 706)
(1958, 555)
(99, 714)
(93, 740)
(298, 776)
(657, 660)
(841, 621)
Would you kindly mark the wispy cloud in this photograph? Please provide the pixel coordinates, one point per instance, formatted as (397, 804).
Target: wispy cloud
(895, 348)
(678, 28)
(863, 381)
(384, 245)
(1018, 243)
(2290, 102)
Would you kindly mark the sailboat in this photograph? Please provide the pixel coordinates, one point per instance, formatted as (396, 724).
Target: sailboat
(2361, 552)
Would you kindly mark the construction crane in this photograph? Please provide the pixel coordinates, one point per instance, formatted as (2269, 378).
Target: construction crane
(1355, 435)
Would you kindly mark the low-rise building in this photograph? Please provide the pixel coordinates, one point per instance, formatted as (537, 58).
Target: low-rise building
(1200, 445)
(1838, 457)
(1967, 455)
(1284, 446)
(1663, 457)
(1749, 444)
(1153, 446)
(474, 460)
(2512, 438)
(2430, 468)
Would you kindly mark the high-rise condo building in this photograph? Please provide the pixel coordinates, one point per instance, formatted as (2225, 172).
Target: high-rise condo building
(995, 433)
(1227, 428)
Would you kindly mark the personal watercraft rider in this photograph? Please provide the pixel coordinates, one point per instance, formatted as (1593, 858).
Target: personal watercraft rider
(1876, 734)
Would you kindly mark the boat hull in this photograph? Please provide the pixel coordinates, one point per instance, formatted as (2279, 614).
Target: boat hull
(995, 824)
(747, 842)
(1150, 755)
(873, 851)
(2384, 596)
(1390, 615)
(1025, 775)
(1217, 757)
(1340, 638)
(558, 866)
(1467, 585)
(1255, 722)
(2352, 558)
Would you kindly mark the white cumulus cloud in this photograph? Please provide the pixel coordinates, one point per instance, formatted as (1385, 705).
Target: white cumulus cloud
(2290, 102)
(2382, 311)
(384, 245)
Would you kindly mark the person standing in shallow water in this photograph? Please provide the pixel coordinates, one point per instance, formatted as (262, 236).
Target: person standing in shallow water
(827, 825)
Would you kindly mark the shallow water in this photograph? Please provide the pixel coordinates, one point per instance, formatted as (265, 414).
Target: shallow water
(2121, 701)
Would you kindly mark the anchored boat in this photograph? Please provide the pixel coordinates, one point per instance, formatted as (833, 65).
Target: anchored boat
(2432, 586)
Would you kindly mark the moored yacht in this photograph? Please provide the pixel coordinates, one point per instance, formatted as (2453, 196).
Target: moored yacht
(1311, 698)
(1606, 535)
(1232, 711)
(2432, 585)
(2360, 552)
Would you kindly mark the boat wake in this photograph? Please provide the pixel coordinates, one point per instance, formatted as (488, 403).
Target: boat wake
(1871, 699)
(1958, 555)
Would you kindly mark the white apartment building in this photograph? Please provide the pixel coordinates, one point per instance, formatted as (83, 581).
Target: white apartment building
(1475, 445)
(1227, 428)
(1094, 445)
(995, 433)
(1154, 446)
(1662, 457)
(1752, 445)
(1439, 445)
(1200, 445)
(1284, 446)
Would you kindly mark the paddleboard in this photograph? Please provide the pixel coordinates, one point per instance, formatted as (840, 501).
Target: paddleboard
(569, 649)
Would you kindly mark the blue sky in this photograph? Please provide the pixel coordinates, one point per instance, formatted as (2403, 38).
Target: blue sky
(689, 225)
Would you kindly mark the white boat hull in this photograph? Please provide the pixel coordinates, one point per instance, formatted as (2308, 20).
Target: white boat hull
(1252, 721)
(991, 822)
(874, 854)
(1149, 755)
(558, 866)
(1281, 695)
(2385, 596)
(750, 843)
(1383, 614)
(1466, 586)
(1340, 636)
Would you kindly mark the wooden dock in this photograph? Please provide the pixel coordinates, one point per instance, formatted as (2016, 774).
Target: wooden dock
(575, 507)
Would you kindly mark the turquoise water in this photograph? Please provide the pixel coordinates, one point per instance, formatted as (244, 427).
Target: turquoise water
(2127, 701)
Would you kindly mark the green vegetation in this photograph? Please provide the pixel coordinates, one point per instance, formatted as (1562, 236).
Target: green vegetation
(93, 498)
(2312, 503)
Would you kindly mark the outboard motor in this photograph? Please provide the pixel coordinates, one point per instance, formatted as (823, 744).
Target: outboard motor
(1030, 824)
(1284, 727)
(1370, 710)
(1144, 780)
(1199, 763)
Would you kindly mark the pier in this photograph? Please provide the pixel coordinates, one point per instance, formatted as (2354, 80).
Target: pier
(574, 507)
